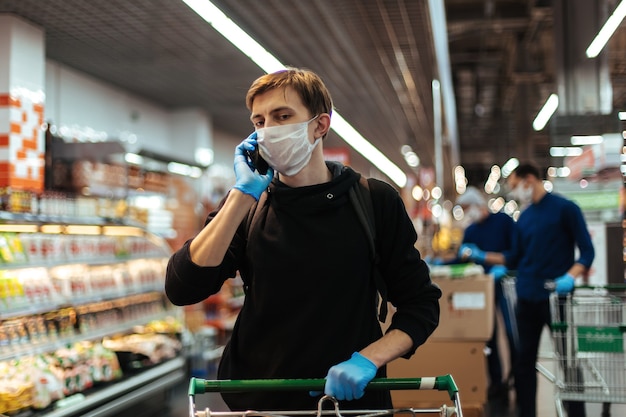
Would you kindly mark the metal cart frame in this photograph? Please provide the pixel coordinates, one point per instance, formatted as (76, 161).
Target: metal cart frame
(440, 383)
(588, 335)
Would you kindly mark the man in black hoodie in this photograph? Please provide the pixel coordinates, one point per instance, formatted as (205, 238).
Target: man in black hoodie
(310, 299)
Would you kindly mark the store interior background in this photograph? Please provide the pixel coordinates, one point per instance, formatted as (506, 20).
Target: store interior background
(159, 79)
(156, 79)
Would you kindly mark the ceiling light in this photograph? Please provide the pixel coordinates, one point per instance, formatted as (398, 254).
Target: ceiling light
(234, 34)
(417, 193)
(204, 156)
(246, 44)
(509, 166)
(622, 115)
(436, 192)
(412, 159)
(133, 158)
(361, 145)
(557, 151)
(546, 112)
(184, 169)
(607, 30)
(587, 140)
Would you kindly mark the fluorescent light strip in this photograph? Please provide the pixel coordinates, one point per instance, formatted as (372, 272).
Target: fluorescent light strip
(622, 115)
(361, 145)
(557, 151)
(607, 31)
(586, 140)
(546, 112)
(251, 48)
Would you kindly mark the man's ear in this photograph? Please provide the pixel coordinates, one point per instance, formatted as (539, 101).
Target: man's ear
(323, 125)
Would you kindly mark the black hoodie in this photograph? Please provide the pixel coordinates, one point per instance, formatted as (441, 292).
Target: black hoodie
(310, 297)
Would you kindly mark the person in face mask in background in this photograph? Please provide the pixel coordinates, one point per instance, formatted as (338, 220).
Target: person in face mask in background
(486, 240)
(544, 251)
(310, 299)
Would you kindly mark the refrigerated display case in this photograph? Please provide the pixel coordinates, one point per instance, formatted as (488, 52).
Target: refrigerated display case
(72, 293)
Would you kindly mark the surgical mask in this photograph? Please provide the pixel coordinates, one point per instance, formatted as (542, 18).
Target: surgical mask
(286, 148)
(473, 214)
(523, 194)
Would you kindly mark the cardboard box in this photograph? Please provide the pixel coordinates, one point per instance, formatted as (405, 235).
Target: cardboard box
(465, 361)
(467, 308)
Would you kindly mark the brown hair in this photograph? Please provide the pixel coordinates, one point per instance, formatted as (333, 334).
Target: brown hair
(527, 169)
(307, 84)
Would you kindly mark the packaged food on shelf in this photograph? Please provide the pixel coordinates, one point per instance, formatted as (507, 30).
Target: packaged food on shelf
(138, 351)
(16, 392)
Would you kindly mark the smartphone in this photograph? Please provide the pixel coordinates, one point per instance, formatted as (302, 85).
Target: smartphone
(257, 161)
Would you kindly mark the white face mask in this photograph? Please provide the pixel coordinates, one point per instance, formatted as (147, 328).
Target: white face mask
(286, 148)
(523, 194)
(473, 214)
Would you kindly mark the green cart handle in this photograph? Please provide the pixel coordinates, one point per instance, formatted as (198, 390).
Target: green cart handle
(201, 386)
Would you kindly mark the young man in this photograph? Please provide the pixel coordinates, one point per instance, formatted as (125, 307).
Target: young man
(491, 232)
(548, 232)
(310, 306)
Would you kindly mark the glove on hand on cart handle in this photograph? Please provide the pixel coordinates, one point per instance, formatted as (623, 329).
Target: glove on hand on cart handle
(498, 272)
(472, 252)
(347, 380)
(247, 180)
(564, 284)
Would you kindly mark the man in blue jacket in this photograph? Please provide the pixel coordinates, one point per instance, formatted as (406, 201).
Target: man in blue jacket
(544, 251)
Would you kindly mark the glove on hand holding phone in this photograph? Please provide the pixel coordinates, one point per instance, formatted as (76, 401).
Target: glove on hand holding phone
(248, 179)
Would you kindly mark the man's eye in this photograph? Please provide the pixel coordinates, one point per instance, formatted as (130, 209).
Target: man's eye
(283, 117)
(258, 123)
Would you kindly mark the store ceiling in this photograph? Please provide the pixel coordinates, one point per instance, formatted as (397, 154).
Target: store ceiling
(376, 56)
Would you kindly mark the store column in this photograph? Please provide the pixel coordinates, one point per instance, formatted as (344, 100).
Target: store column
(22, 79)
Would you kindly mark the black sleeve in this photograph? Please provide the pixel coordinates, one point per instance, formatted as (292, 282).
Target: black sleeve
(187, 283)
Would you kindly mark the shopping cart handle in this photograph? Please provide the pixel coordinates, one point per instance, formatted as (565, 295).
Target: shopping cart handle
(200, 386)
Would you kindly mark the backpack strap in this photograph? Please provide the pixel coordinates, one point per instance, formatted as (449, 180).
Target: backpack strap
(252, 218)
(361, 199)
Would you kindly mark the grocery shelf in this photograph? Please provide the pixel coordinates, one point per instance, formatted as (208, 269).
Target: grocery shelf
(80, 261)
(109, 401)
(63, 341)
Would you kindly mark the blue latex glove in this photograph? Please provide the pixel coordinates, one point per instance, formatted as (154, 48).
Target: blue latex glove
(498, 272)
(564, 284)
(469, 251)
(249, 181)
(347, 380)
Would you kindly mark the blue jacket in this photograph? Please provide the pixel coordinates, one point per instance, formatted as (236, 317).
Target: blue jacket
(544, 248)
(493, 234)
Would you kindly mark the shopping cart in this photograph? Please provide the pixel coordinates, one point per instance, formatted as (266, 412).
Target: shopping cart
(588, 334)
(440, 383)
